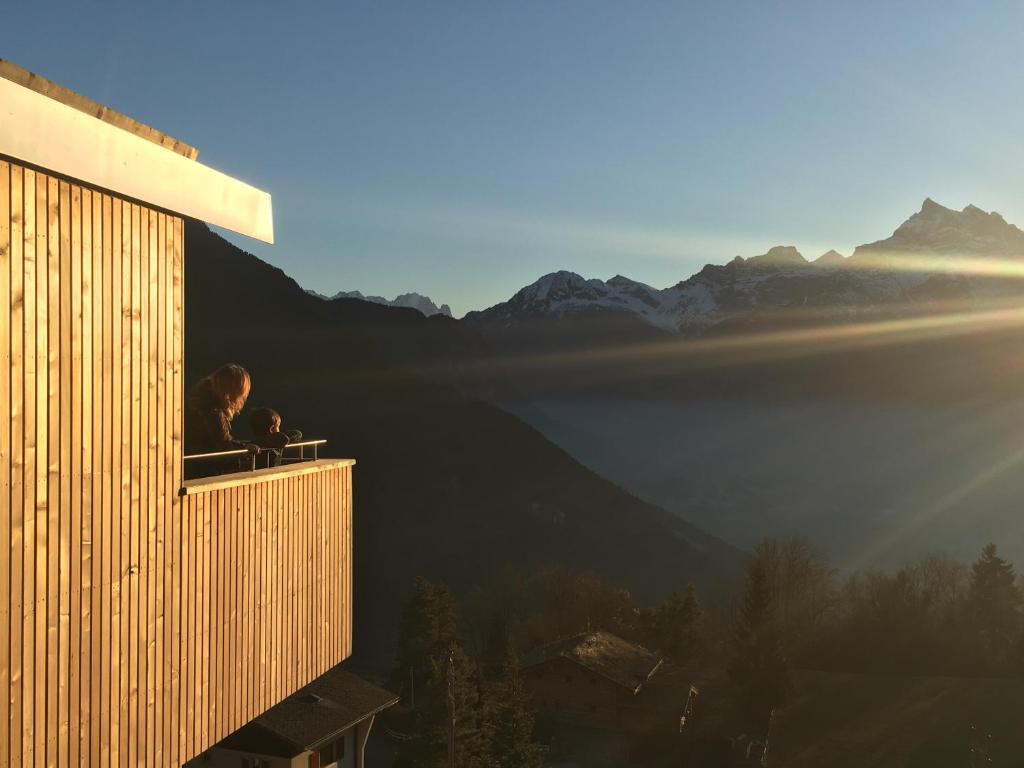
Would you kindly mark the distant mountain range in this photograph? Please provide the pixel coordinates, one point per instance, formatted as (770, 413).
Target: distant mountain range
(412, 300)
(885, 274)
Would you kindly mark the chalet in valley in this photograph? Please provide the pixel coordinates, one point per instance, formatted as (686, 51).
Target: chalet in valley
(601, 700)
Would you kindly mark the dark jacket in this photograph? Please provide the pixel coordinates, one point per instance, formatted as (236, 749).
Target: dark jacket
(273, 443)
(277, 440)
(207, 426)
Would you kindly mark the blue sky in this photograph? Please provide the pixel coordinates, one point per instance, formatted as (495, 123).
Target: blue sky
(463, 149)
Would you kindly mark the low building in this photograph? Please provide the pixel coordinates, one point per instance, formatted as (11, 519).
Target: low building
(323, 725)
(601, 699)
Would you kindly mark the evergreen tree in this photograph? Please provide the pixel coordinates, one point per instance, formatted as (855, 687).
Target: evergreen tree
(431, 662)
(676, 625)
(994, 602)
(428, 629)
(495, 646)
(758, 666)
(510, 717)
(450, 697)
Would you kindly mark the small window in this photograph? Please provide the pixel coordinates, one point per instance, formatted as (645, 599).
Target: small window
(333, 752)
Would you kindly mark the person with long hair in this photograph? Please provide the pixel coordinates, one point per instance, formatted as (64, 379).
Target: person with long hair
(210, 408)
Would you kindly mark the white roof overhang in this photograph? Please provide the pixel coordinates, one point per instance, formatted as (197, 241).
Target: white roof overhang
(44, 132)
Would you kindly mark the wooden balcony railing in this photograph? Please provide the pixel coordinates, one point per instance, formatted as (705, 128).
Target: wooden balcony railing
(266, 591)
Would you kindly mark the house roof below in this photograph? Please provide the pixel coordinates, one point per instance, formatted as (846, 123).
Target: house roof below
(312, 716)
(605, 654)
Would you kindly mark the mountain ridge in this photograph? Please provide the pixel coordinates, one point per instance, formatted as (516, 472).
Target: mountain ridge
(782, 278)
(412, 300)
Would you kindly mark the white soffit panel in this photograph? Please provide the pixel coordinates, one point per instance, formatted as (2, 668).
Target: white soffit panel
(44, 132)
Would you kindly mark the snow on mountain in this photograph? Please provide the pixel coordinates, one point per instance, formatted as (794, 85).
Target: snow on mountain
(412, 300)
(782, 278)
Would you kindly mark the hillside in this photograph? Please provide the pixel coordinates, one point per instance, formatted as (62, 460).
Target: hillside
(919, 722)
(446, 486)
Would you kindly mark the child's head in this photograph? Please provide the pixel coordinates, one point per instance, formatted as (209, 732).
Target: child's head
(264, 421)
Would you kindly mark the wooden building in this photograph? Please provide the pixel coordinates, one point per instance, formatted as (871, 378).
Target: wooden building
(603, 701)
(143, 618)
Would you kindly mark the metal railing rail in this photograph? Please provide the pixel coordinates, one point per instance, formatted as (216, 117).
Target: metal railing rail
(302, 445)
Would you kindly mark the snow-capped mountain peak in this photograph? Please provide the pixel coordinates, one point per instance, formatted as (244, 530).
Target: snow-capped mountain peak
(781, 278)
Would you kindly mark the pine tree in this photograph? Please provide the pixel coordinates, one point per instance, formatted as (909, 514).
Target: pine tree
(450, 697)
(758, 666)
(428, 629)
(510, 718)
(995, 604)
(495, 644)
(676, 625)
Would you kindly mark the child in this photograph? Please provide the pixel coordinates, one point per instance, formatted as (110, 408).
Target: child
(266, 433)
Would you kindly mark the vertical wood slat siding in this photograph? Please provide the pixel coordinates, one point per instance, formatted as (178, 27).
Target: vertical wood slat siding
(137, 626)
(273, 566)
(69, 286)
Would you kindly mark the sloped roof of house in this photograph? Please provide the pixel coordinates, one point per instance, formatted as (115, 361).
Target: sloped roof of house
(312, 716)
(624, 663)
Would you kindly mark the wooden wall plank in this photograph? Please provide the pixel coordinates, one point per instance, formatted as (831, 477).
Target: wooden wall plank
(59, 459)
(206, 589)
(123, 232)
(110, 413)
(6, 543)
(90, 488)
(213, 683)
(73, 434)
(19, 595)
(163, 573)
(136, 622)
(172, 456)
(57, 505)
(188, 592)
(44, 619)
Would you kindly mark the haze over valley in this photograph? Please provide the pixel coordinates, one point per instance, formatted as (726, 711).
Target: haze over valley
(868, 403)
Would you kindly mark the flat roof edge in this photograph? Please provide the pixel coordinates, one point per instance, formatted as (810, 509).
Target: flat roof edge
(49, 134)
(23, 77)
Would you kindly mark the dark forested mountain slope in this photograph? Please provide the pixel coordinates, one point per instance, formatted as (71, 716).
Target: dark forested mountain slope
(446, 486)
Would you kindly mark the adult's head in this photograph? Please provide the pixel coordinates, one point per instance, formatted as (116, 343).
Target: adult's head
(230, 387)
